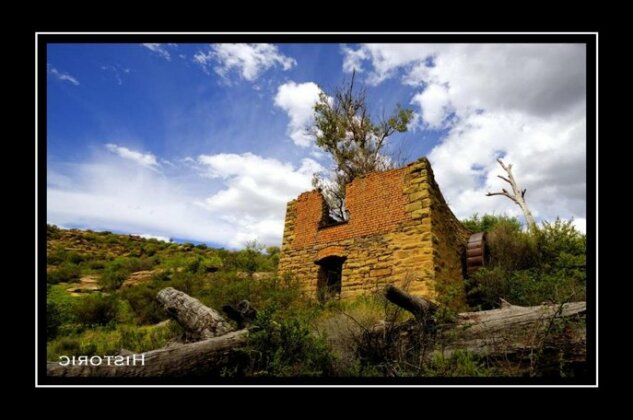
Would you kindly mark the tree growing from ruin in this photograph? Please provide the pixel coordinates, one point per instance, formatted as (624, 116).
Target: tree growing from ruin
(345, 129)
(517, 195)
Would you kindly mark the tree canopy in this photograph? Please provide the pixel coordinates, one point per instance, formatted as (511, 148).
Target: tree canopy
(345, 129)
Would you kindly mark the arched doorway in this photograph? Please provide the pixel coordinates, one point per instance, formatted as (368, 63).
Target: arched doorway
(330, 275)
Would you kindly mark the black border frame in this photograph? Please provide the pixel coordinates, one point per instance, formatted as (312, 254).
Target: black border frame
(589, 39)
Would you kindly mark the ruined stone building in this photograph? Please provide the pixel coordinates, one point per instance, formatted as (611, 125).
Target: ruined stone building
(400, 230)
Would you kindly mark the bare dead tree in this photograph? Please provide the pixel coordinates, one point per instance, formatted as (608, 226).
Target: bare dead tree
(517, 195)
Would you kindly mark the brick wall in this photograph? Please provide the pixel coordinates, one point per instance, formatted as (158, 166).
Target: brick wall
(400, 231)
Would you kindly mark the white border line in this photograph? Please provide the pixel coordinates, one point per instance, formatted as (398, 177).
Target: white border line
(38, 385)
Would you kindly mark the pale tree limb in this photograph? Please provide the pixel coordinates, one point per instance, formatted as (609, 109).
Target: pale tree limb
(517, 195)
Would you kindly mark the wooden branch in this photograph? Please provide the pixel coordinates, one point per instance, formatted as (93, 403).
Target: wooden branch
(504, 193)
(505, 179)
(502, 165)
(421, 308)
(198, 321)
(192, 359)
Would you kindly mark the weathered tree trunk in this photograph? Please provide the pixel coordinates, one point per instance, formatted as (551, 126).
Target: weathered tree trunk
(518, 194)
(192, 359)
(517, 329)
(199, 321)
(542, 335)
(202, 357)
(422, 309)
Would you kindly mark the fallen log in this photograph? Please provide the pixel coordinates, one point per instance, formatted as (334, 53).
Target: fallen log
(199, 321)
(207, 356)
(421, 308)
(192, 359)
(542, 337)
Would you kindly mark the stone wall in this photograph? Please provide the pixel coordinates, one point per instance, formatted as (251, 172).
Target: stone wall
(400, 231)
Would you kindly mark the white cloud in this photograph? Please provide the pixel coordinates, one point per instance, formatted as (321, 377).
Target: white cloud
(237, 198)
(534, 78)
(352, 59)
(434, 103)
(580, 224)
(62, 76)
(249, 60)
(298, 100)
(147, 160)
(160, 50)
(524, 102)
(257, 191)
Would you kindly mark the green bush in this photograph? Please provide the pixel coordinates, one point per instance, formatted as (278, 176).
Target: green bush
(548, 265)
(116, 271)
(187, 282)
(511, 248)
(142, 300)
(53, 319)
(210, 264)
(96, 309)
(64, 273)
(486, 222)
(286, 347)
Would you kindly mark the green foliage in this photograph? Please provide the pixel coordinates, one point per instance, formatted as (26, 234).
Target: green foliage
(142, 301)
(229, 288)
(108, 341)
(96, 309)
(486, 222)
(64, 273)
(344, 128)
(251, 259)
(117, 270)
(547, 265)
(187, 282)
(53, 319)
(286, 347)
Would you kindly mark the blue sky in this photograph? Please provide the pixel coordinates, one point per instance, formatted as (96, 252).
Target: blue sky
(208, 142)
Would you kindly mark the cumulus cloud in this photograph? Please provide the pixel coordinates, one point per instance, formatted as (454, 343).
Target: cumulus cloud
(248, 60)
(298, 100)
(526, 102)
(147, 160)
(434, 103)
(160, 50)
(224, 199)
(66, 77)
(256, 191)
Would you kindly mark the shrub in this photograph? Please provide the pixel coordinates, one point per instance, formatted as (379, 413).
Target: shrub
(547, 265)
(142, 300)
(116, 271)
(53, 319)
(210, 264)
(96, 309)
(286, 347)
(52, 231)
(488, 221)
(97, 264)
(64, 273)
(187, 282)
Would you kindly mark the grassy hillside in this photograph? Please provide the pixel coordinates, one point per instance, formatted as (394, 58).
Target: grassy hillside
(101, 290)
